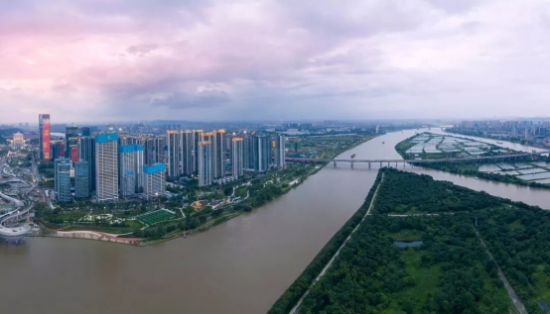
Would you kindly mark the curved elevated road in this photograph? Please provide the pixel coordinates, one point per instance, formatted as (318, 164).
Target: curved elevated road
(15, 215)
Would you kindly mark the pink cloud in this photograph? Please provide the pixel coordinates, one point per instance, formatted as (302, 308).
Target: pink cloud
(98, 58)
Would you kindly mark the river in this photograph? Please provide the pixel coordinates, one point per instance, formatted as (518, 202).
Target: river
(241, 266)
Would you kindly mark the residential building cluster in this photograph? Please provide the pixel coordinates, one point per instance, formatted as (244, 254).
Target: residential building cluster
(105, 165)
(217, 154)
(108, 165)
(528, 131)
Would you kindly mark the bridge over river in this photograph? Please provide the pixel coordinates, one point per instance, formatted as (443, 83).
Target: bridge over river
(418, 162)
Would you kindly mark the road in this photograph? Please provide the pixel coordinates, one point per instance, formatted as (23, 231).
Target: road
(23, 208)
(296, 308)
(15, 215)
(511, 292)
(36, 181)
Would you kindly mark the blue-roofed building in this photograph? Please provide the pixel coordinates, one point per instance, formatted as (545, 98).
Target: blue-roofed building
(106, 160)
(106, 137)
(154, 180)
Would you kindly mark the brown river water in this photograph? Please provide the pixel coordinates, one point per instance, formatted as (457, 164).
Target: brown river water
(241, 266)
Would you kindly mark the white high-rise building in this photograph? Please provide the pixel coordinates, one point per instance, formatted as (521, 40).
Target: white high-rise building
(205, 163)
(180, 151)
(237, 156)
(106, 150)
(154, 180)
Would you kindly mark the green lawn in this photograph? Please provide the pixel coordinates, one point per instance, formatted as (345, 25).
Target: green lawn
(134, 224)
(156, 216)
(72, 216)
(425, 279)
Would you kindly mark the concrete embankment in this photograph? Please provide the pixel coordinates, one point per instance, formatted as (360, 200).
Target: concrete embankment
(94, 235)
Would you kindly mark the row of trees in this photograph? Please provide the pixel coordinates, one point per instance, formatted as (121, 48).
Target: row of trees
(519, 239)
(409, 193)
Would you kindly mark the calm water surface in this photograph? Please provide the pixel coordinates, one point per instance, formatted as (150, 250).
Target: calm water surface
(241, 266)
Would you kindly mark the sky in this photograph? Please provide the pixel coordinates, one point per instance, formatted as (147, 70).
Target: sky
(215, 60)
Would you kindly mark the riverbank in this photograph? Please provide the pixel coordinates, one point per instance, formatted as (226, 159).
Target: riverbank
(448, 262)
(226, 217)
(296, 308)
(222, 219)
(91, 235)
(171, 230)
(286, 303)
(469, 169)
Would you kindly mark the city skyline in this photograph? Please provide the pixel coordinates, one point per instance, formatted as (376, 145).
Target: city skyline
(217, 61)
(275, 156)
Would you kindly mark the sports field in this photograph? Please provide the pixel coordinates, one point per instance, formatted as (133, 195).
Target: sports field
(156, 216)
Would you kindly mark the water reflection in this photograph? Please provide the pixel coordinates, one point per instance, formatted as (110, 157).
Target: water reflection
(12, 241)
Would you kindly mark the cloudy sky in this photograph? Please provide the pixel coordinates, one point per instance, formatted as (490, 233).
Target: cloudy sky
(113, 60)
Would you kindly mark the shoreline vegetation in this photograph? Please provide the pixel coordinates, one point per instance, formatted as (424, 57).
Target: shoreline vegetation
(472, 169)
(263, 189)
(459, 239)
(301, 285)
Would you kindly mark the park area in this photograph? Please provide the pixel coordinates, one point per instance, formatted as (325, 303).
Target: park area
(439, 248)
